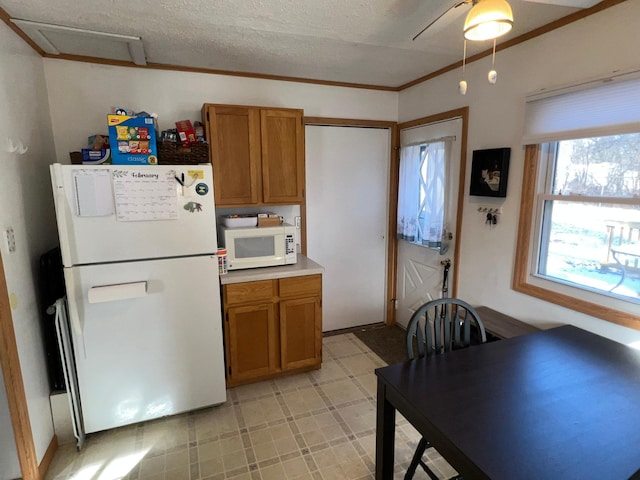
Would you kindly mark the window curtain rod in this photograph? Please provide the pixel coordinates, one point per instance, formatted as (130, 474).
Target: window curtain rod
(429, 142)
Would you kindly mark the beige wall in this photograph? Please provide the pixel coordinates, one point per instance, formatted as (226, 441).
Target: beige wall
(81, 95)
(583, 50)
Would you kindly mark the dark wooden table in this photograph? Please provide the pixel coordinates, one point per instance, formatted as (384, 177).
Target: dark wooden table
(558, 404)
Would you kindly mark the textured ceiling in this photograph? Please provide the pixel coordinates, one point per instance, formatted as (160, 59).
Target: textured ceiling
(353, 41)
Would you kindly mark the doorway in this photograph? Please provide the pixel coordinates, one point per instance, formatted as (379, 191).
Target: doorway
(347, 169)
(420, 263)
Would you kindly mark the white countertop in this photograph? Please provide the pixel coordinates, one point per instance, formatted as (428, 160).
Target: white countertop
(303, 266)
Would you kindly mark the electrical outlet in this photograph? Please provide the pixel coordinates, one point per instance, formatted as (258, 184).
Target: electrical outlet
(297, 222)
(11, 240)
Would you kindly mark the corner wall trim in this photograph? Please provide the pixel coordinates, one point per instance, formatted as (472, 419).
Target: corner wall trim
(48, 456)
(14, 386)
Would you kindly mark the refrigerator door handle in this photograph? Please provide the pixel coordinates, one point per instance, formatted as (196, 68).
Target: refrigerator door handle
(64, 215)
(74, 308)
(118, 291)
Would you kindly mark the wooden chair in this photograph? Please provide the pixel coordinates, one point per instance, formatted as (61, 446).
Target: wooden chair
(437, 327)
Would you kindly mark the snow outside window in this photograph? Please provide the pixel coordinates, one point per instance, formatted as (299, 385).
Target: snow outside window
(588, 221)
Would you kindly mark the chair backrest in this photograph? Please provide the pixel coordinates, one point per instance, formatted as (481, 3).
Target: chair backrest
(442, 325)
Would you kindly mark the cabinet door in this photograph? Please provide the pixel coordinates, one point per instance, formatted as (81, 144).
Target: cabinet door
(253, 342)
(282, 156)
(234, 135)
(300, 332)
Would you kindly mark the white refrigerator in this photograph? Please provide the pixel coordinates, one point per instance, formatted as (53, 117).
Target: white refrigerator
(139, 253)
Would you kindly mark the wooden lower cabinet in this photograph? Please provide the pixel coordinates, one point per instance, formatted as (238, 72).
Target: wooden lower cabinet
(272, 327)
(300, 333)
(252, 341)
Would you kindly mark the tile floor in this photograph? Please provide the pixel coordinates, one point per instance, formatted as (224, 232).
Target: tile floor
(318, 425)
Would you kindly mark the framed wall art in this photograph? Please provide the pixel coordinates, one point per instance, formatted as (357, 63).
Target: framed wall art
(489, 172)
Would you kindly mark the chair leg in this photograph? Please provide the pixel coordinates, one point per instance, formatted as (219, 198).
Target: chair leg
(428, 471)
(417, 457)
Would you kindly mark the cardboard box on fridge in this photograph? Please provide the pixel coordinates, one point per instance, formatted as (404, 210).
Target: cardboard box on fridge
(98, 142)
(96, 157)
(132, 140)
(88, 156)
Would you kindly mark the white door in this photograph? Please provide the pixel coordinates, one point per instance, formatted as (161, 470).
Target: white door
(146, 353)
(420, 268)
(347, 184)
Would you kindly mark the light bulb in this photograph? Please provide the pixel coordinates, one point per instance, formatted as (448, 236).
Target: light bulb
(462, 87)
(492, 77)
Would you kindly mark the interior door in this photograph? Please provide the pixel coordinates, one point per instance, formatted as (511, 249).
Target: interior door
(347, 172)
(420, 268)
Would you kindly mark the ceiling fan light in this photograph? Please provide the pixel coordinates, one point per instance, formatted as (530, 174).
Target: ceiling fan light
(488, 19)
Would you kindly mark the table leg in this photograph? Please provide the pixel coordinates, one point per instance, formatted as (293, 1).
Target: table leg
(385, 435)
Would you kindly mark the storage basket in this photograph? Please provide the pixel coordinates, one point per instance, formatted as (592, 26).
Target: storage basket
(171, 153)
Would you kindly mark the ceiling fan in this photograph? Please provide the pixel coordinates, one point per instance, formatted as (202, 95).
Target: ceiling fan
(456, 5)
(498, 14)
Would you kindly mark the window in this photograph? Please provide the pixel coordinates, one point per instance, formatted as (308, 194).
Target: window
(579, 233)
(590, 215)
(421, 193)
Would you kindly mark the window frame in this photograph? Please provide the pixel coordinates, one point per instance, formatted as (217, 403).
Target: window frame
(526, 256)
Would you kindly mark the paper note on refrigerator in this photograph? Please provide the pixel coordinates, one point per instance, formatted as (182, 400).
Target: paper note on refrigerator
(145, 194)
(94, 197)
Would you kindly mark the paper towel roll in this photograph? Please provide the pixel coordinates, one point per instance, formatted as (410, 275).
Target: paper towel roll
(119, 291)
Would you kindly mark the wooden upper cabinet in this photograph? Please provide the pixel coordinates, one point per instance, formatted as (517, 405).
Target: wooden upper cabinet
(257, 154)
(234, 136)
(282, 156)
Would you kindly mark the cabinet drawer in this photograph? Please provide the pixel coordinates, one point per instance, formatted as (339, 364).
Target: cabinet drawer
(301, 286)
(248, 292)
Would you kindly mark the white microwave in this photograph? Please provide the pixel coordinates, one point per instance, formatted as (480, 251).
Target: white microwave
(251, 247)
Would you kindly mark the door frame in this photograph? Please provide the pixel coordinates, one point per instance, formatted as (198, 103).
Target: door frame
(463, 114)
(14, 386)
(394, 162)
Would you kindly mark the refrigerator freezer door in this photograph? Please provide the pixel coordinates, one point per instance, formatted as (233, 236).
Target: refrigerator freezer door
(113, 213)
(152, 355)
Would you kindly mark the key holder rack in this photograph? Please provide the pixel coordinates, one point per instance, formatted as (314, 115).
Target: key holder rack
(490, 214)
